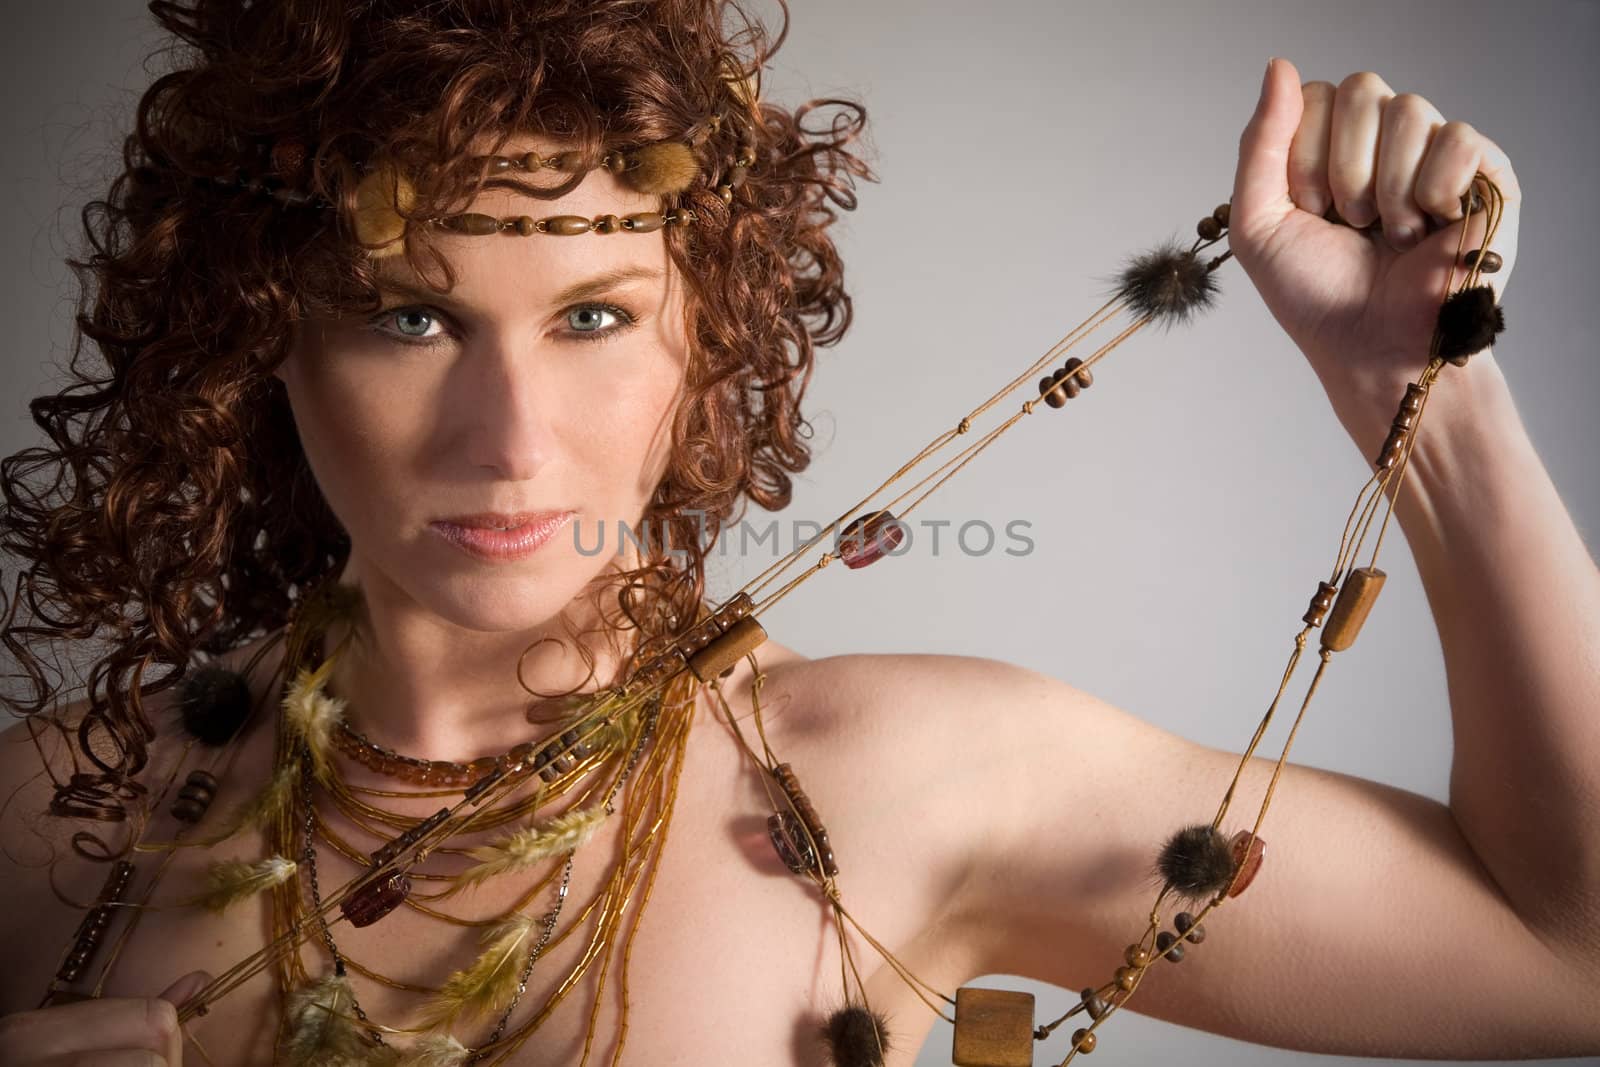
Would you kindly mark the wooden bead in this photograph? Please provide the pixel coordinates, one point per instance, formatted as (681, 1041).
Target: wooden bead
(1136, 955)
(1490, 261)
(727, 650)
(1411, 403)
(607, 224)
(202, 780)
(1093, 1004)
(737, 607)
(1053, 395)
(1221, 214)
(472, 223)
(526, 226)
(737, 176)
(189, 811)
(645, 222)
(1350, 611)
(1393, 445)
(531, 161)
(993, 1028)
(1321, 601)
(1084, 377)
(1209, 229)
(1192, 932)
(1127, 978)
(566, 225)
(1083, 1041)
(1167, 945)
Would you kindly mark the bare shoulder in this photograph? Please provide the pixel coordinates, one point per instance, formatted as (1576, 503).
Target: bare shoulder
(44, 880)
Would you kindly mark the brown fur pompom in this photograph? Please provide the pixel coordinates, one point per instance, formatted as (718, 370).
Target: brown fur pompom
(1196, 862)
(667, 167)
(856, 1036)
(214, 704)
(1468, 323)
(1168, 283)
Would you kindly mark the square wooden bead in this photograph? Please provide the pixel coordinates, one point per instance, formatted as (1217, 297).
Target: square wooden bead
(994, 1028)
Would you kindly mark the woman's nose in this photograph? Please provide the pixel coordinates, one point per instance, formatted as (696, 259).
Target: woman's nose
(508, 410)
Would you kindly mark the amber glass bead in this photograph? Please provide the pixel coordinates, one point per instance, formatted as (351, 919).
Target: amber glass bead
(1083, 1041)
(371, 903)
(1247, 855)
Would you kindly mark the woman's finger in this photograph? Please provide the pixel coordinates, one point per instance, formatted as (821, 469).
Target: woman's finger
(1406, 129)
(1353, 146)
(149, 1024)
(1308, 152)
(1446, 173)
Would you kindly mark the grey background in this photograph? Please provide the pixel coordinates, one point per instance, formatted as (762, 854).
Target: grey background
(1024, 150)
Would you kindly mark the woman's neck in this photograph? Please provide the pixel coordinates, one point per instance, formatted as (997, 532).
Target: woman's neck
(425, 687)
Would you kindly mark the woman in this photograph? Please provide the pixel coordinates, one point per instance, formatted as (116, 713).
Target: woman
(653, 375)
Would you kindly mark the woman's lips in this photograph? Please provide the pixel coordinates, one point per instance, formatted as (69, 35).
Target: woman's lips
(497, 546)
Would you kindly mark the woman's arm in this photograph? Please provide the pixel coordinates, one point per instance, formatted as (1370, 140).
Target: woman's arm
(1516, 597)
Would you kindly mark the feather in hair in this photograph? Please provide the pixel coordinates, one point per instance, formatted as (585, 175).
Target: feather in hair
(526, 847)
(230, 881)
(311, 716)
(434, 1050)
(490, 983)
(323, 1030)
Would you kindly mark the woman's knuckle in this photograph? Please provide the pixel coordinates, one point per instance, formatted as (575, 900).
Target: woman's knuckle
(1364, 83)
(161, 1017)
(1456, 132)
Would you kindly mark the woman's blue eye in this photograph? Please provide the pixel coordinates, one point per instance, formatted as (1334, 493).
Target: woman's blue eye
(590, 319)
(408, 325)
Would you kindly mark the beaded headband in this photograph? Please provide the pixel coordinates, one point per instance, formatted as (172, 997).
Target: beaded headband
(385, 195)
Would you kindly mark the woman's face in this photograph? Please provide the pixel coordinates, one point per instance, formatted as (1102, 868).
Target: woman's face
(545, 381)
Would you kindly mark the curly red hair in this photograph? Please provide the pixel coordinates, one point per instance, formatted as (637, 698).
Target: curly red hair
(173, 511)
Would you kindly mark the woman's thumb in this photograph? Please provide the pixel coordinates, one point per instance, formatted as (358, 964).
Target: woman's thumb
(1261, 184)
(184, 988)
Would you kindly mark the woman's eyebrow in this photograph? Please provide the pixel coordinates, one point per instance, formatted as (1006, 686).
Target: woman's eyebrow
(588, 287)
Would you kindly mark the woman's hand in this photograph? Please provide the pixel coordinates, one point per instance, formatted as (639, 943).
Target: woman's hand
(107, 1032)
(1361, 307)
